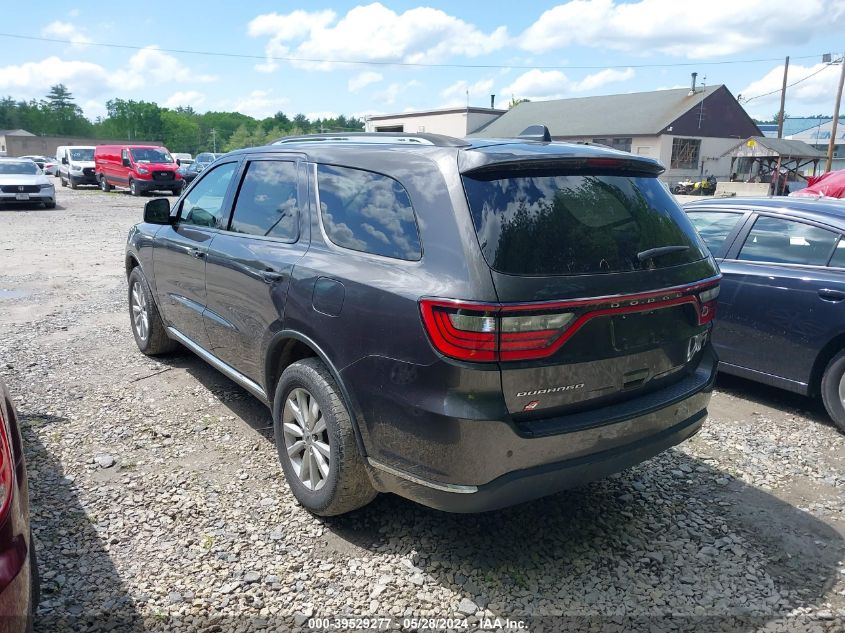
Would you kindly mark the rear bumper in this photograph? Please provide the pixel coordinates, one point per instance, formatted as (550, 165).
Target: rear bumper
(460, 451)
(533, 483)
(16, 597)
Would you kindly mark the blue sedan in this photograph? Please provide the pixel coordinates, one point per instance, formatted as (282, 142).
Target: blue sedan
(781, 313)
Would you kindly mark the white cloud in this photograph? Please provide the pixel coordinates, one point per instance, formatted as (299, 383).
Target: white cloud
(389, 94)
(191, 98)
(33, 79)
(537, 84)
(150, 63)
(364, 79)
(371, 33)
(553, 84)
(601, 78)
(814, 94)
(260, 104)
(66, 31)
(296, 25)
(324, 114)
(456, 93)
(719, 27)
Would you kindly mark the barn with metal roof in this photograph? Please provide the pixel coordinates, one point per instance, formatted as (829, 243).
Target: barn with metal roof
(688, 129)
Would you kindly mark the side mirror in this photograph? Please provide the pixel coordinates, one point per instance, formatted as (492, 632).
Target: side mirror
(64, 161)
(178, 162)
(157, 211)
(126, 163)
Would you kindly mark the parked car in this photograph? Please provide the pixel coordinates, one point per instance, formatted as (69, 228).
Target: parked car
(206, 158)
(466, 324)
(22, 182)
(19, 571)
(76, 166)
(45, 163)
(191, 171)
(183, 158)
(139, 168)
(782, 303)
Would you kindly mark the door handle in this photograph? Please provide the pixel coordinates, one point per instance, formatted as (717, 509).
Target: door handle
(833, 296)
(271, 276)
(199, 254)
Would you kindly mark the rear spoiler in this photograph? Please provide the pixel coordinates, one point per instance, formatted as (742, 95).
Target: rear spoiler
(545, 165)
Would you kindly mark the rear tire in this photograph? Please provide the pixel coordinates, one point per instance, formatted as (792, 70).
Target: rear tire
(144, 318)
(317, 447)
(833, 390)
(104, 184)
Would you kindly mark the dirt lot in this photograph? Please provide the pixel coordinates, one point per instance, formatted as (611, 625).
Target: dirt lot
(158, 503)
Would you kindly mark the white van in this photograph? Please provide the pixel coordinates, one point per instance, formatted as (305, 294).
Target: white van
(76, 165)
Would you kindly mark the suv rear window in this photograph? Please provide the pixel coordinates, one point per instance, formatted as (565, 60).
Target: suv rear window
(549, 224)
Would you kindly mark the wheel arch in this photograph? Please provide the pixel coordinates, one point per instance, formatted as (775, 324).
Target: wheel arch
(289, 346)
(831, 349)
(131, 263)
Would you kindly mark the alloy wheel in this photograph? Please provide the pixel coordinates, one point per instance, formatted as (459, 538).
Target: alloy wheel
(306, 438)
(140, 316)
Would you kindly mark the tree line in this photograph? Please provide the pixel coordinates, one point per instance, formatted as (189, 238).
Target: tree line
(181, 129)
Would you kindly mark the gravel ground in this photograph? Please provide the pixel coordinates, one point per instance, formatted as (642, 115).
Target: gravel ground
(158, 503)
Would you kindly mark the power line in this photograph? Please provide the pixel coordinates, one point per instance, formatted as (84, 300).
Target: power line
(394, 63)
(794, 83)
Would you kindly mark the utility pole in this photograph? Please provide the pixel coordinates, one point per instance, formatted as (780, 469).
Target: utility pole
(783, 97)
(833, 123)
(214, 140)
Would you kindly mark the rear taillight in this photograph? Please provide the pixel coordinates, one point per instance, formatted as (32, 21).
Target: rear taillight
(7, 471)
(512, 332)
(707, 304)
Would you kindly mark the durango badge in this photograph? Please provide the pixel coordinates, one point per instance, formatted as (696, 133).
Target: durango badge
(539, 392)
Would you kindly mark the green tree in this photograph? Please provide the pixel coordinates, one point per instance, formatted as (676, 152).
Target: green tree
(515, 102)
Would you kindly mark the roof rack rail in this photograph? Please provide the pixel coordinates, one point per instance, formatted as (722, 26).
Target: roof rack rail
(536, 133)
(376, 138)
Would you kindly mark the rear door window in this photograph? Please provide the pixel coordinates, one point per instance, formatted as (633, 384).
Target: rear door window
(267, 201)
(578, 224)
(368, 212)
(714, 227)
(838, 259)
(787, 242)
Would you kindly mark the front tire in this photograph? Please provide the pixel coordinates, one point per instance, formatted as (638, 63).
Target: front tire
(63, 181)
(73, 183)
(134, 189)
(147, 326)
(316, 442)
(833, 390)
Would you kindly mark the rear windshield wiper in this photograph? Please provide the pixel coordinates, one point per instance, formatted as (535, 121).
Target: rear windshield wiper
(660, 250)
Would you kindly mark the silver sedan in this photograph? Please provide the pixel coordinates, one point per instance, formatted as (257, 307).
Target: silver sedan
(22, 182)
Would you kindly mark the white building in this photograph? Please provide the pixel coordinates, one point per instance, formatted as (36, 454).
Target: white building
(456, 122)
(818, 137)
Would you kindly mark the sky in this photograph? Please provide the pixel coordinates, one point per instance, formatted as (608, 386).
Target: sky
(327, 58)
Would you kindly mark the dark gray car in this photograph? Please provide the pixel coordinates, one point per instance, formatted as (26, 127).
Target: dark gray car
(469, 325)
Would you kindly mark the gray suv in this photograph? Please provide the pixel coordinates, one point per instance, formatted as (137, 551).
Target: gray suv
(469, 324)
